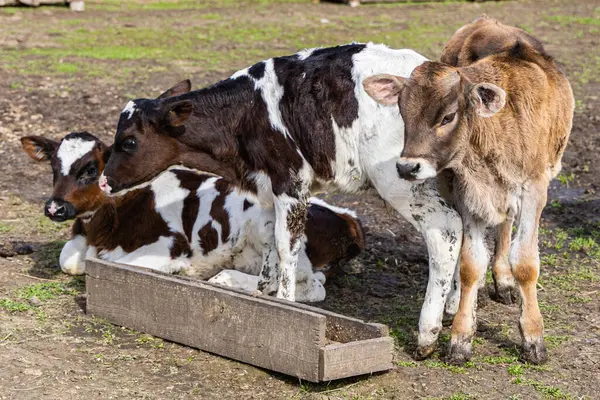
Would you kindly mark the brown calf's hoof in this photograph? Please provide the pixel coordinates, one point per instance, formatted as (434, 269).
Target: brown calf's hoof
(506, 295)
(424, 352)
(459, 353)
(534, 353)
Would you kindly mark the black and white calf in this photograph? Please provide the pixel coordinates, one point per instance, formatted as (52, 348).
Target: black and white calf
(283, 128)
(183, 221)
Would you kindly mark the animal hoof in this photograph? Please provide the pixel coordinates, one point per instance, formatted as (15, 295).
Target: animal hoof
(423, 352)
(459, 353)
(506, 295)
(534, 353)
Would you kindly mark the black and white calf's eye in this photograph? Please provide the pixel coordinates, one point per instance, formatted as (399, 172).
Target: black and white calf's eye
(128, 144)
(447, 119)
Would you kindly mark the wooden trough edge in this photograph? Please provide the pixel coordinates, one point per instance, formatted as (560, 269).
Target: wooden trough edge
(291, 338)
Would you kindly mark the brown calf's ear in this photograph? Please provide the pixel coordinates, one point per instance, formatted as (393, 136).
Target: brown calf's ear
(384, 89)
(487, 99)
(178, 112)
(39, 148)
(181, 88)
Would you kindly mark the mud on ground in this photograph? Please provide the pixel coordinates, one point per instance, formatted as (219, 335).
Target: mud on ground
(62, 72)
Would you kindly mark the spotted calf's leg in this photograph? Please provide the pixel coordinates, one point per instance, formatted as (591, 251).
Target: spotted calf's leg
(504, 281)
(269, 272)
(453, 298)
(441, 227)
(525, 264)
(473, 265)
(290, 221)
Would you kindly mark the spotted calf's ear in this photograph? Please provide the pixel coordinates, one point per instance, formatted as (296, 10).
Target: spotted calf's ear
(175, 114)
(384, 89)
(182, 87)
(39, 148)
(487, 99)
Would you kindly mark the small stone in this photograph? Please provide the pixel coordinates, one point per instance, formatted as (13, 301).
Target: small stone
(34, 301)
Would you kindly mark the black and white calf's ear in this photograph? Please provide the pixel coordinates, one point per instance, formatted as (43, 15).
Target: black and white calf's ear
(39, 148)
(181, 88)
(175, 114)
(384, 89)
(487, 99)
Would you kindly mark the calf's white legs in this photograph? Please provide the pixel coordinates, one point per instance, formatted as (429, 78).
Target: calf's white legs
(72, 256)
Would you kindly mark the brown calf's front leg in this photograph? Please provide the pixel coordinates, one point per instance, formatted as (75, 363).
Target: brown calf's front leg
(473, 264)
(504, 281)
(525, 264)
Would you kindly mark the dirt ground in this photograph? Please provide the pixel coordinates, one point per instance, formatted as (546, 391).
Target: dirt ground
(61, 72)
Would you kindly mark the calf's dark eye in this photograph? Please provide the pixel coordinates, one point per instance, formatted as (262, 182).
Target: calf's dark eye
(129, 144)
(447, 119)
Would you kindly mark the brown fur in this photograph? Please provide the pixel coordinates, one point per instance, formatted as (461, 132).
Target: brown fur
(342, 234)
(484, 36)
(499, 118)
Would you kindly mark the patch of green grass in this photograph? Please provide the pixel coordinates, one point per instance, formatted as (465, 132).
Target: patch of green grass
(45, 291)
(566, 179)
(515, 370)
(547, 391)
(449, 367)
(410, 364)
(554, 341)
(572, 19)
(67, 68)
(401, 336)
(5, 228)
(14, 306)
(586, 244)
(495, 360)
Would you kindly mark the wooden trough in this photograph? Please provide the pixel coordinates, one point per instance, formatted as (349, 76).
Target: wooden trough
(294, 339)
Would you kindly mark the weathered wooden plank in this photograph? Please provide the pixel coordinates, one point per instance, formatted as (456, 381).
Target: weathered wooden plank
(355, 358)
(278, 337)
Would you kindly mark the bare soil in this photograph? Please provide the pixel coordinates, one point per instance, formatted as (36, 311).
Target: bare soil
(50, 86)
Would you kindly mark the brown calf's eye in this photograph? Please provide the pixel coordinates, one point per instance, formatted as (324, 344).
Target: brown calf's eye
(447, 119)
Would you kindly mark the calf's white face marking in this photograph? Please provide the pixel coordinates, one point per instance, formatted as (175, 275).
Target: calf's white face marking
(71, 150)
(129, 109)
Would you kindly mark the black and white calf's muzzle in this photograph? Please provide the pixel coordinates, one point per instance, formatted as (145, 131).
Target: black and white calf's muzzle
(59, 210)
(415, 169)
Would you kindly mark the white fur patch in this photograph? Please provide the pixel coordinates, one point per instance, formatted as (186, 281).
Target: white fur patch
(168, 199)
(337, 210)
(129, 109)
(71, 150)
(72, 256)
(272, 92)
(304, 54)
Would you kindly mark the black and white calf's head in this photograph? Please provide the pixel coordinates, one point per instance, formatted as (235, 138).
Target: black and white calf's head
(76, 161)
(146, 139)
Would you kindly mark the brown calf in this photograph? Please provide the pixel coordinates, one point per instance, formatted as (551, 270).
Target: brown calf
(481, 38)
(500, 125)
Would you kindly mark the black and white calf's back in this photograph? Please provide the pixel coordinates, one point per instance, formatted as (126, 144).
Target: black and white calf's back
(283, 128)
(183, 221)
